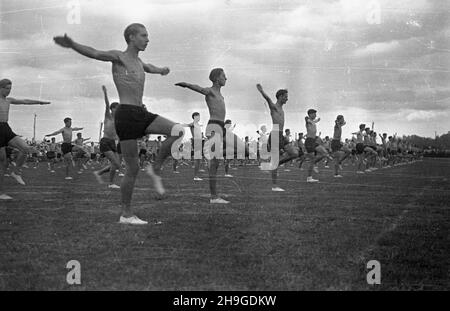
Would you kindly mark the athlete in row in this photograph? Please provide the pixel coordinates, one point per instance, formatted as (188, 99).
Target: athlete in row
(9, 138)
(132, 120)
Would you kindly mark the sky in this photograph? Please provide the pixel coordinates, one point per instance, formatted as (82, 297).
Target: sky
(383, 61)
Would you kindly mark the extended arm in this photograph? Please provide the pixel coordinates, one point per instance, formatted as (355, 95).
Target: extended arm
(55, 133)
(202, 90)
(105, 94)
(149, 68)
(14, 101)
(77, 128)
(106, 56)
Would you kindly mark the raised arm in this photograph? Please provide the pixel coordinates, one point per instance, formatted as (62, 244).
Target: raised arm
(266, 97)
(77, 128)
(14, 101)
(107, 111)
(202, 90)
(106, 56)
(149, 68)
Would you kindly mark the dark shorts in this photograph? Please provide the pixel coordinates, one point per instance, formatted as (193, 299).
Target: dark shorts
(282, 141)
(142, 152)
(8, 152)
(359, 148)
(66, 148)
(93, 156)
(6, 134)
(132, 121)
(311, 145)
(119, 150)
(51, 155)
(107, 144)
(336, 145)
(58, 155)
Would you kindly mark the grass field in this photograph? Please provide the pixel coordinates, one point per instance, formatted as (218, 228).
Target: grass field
(312, 237)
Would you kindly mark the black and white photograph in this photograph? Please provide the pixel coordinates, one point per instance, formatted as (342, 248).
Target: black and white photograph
(250, 147)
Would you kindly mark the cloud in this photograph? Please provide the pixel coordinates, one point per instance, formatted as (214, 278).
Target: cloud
(377, 48)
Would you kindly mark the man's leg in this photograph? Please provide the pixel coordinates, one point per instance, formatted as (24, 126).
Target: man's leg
(3, 164)
(130, 155)
(213, 165)
(67, 161)
(162, 126)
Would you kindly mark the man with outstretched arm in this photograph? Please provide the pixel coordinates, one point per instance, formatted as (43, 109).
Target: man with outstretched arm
(132, 120)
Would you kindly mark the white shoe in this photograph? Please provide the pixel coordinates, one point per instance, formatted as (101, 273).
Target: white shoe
(113, 186)
(133, 220)
(5, 197)
(6, 175)
(310, 179)
(201, 171)
(24, 166)
(98, 177)
(157, 180)
(84, 166)
(197, 179)
(18, 178)
(176, 172)
(316, 170)
(277, 189)
(218, 201)
(368, 170)
(80, 172)
(287, 170)
(121, 174)
(228, 175)
(326, 166)
(359, 172)
(338, 176)
(52, 171)
(68, 178)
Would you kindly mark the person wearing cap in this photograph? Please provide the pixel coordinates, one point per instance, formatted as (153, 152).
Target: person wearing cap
(339, 150)
(286, 150)
(66, 146)
(311, 144)
(9, 138)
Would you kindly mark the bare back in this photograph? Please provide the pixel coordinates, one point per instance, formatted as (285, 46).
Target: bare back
(129, 78)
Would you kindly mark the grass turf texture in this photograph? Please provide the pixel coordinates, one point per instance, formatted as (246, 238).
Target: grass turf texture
(311, 237)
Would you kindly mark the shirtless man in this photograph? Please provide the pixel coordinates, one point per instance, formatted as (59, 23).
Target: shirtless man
(196, 143)
(132, 120)
(339, 150)
(67, 146)
(108, 143)
(217, 111)
(286, 150)
(312, 144)
(81, 153)
(52, 148)
(8, 137)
